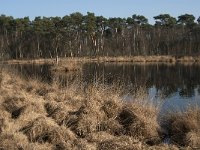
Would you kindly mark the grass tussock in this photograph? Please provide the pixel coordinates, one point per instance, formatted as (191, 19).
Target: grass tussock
(44, 130)
(40, 116)
(183, 129)
(67, 67)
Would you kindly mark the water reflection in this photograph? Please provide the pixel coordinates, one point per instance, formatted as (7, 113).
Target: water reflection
(33, 71)
(43, 73)
(171, 82)
(166, 79)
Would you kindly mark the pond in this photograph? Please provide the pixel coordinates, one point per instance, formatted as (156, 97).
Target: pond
(177, 85)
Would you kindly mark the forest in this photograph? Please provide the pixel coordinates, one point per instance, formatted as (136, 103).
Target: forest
(78, 35)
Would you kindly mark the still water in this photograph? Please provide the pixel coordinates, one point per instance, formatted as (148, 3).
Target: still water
(176, 85)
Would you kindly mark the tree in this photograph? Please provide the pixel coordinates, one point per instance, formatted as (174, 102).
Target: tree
(90, 22)
(139, 19)
(102, 24)
(186, 19)
(115, 24)
(21, 28)
(76, 20)
(90, 35)
(91, 28)
(38, 28)
(198, 20)
(7, 27)
(75, 26)
(165, 20)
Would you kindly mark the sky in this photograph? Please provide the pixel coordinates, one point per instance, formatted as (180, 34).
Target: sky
(106, 8)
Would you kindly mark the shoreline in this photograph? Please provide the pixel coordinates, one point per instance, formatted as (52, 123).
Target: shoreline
(132, 59)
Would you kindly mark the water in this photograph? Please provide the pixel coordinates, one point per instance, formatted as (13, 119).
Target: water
(176, 85)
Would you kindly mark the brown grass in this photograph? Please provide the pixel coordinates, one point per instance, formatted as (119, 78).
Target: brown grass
(66, 67)
(42, 116)
(142, 59)
(183, 128)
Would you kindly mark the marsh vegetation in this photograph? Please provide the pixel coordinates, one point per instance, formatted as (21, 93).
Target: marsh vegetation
(46, 115)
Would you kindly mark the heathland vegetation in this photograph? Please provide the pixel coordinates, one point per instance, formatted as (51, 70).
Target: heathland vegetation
(41, 116)
(78, 35)
(36, 115)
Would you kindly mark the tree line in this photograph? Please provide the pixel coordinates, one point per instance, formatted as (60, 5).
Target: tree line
(78, 35)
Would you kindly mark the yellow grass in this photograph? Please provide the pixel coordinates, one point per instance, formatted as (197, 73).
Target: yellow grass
(135, 59)
(34, 115)
(183, 128)
(66, 67)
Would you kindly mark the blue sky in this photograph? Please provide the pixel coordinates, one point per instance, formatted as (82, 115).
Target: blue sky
(107, 8)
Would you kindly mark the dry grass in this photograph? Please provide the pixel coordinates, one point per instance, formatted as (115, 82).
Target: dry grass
(41, 116)
(187, 59)
(67, 67)
(142, 59)
(183, 129)
(138, 59)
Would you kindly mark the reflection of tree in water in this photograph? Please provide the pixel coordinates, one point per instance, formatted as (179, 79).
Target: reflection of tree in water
(198, 90)
(187, 92)
(168, 79)
(43, 73)
(34, 71)
(65, 79)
